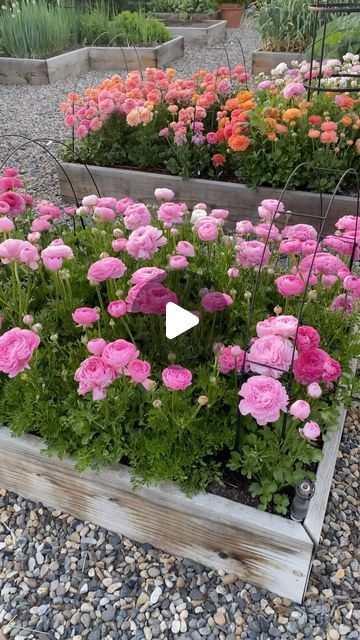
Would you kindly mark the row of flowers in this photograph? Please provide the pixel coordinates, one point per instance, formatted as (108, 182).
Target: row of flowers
(219, 124)
(83, 297)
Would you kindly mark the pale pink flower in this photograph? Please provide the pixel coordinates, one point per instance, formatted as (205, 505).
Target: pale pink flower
(271, 355)
(263, 399)
(148, 274)
(96, 346)
(34, 237)
(164, 194)
(136, 215)
(244, 227)
(138, 370)
(51, 211)
(151, 297)
(117, 308)
(208, 231)
(94, 375)
(300, 409)
(270, 209)
(176, 378)
(16, 350)
(314, 390)
(178, 262)
(90, 201)
(219, 214)
(233, 273)
(39, 225)
(171, 213)
(106, 269)
(119, 354)
(267, 231)
(14, 250)
(145, 241)
(285, 326)
(119, 244)
(85, 316)
(103, 214)
(54, 255)
(185, 248)
(252, 253)
(310, 430)
(216, 301)
(6, 225)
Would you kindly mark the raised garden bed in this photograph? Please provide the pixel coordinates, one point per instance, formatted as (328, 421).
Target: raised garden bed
(265, 61)
(196, 32)
(271, 551)
(241, 201)
(39, 72)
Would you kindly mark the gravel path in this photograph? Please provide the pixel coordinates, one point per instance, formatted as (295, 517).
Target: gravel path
(34, 111)
(61, 578)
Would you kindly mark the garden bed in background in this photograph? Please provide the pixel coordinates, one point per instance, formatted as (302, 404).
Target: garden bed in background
(239, 199)
(269, 550)
(197, 32)
(265, 61)
(38, 72)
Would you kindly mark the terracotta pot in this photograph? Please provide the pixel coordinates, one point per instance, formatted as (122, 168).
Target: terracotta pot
(232, 13)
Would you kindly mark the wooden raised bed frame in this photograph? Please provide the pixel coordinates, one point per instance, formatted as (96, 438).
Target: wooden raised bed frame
(208, 33)
(265, 61)
(241, 201)
(271, 551)
(39, 72)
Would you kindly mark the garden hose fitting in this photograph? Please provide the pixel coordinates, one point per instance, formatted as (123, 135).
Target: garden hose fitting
(304, 491)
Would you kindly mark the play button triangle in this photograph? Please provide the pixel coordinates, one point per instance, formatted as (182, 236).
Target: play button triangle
(178, 320)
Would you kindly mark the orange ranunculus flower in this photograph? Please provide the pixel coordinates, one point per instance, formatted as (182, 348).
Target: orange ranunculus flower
(238, 142)
(231, 104)
(314, 133)
(346, 120)
(218, 160)
(291, 114)
(248, 105)
(273, 113)
(272, 136)
(270, 122)
(244, 96)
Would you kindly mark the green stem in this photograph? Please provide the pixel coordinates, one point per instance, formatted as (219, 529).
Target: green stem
(18, 284)
(102, 306)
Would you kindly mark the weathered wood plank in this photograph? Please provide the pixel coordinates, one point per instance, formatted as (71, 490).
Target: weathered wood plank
(23, 71)
(133, 58)
(265, 549)
(241, 201)
(265, 61)
(169, 51)
(210, 32)
(68, 64)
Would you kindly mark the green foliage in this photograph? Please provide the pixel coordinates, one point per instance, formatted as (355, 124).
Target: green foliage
(136, 28)
(95, 28)
(182, 8)
(284, 25)
(33, 29)
(342, 36)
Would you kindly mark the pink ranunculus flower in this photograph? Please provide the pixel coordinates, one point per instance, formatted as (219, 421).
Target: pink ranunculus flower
(185, 248)
(151, 297)
(315, 365)
(252, 253)
(267, 231)
(307, 338)
(54, 255)
(171, 213)
(145, 241)
(39, 225)
(94, 375)
(290, 246)
(122, 204)
(119, 244)
(294, 90)
(228, 360)
(138, 370)
(321, 263)
(300, 409)
(347, 223)
(164, 194)
(309, 247)
(263, 399)
(15, 201)
(285, 326)
(119, 354)
(216, 301)
(208, 231)
(233, 273)
(90, 201)
(302, 232)
(271, 355)
(176, 378)
(219, 214)
(314, 390)
(351, 283)
(14, 250)
(136, 215)
(107, 201)
(148, 274)
(106, 269)
(104, 214)
(310, 430)
(85, 316)
(244, 227)
(328, 281)
(96, 346)
(344, 301)
(51, 211)
(6, 225)
(290, 285)
(117, 308)
(270, 209)
(178, 262)
(16, 350)
(4, 207)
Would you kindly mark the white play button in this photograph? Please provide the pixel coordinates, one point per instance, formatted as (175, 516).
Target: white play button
(178, 320)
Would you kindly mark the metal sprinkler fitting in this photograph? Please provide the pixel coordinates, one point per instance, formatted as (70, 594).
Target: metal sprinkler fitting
(304, 491)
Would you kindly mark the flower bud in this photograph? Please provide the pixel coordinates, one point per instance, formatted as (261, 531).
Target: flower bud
(212, 380)
(217, 347)
(84, 339)
(54, 337)
(118, 233)
(247, 295)
(312, 295)
(203, 400)
(119, 293)
(203, 292)
(233, 293)
(36, 328)
(104, 255)
(171, 357)
(270, 271)
(277, 310)
(157, 404)
(28, 319)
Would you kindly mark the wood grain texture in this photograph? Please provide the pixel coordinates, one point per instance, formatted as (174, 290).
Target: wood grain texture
(169, 51)
(212, 31)
(135, 58)
(268, 550)
(241, 201)
(23, 71)
(265, 61)
(68, 64)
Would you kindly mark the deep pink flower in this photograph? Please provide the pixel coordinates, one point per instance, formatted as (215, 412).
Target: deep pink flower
(117, 308)
(185, 248)
(119, 354)
(228, 360)
(15, 201)
(294, 90)
(150, 298)
(252, 253)
(106, 269)
(94, 375)
(4, 207)
(85, 316)
(307, 338)
(315, 365)
(263, 399)
(290, 285)
(290, 246)
(216, 301)
(322, 263)
(16, 350)
(176, 378)
(219, 214)
(302, 232)
(45, 208)
(96, 346)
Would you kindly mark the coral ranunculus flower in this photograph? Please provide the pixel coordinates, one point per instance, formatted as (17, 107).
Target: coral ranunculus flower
(218, 160)
(292, 114)
(239, 142)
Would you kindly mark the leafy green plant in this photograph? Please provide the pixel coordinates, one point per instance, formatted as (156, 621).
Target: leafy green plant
(283, 25)
(183, 8)
(95, 27)
(342, 36)
(136, 28)
(33, 29)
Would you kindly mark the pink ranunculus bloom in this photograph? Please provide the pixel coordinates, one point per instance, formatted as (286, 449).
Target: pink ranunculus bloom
(136, 215)
(233, 273)
(244, 227)
(300, 409)
(54, 255)
(96, 346)
(285, 326)
(150, 298)
(117, 308)
(119, 354)
(252, 253)
(263, 399)
(314, 390)
(290, 285)
(342, 244)
(302, 232)
(347, 223)
(164, 194)
(343, 272)
(45, 208)
(267, 231)
(185, 248)
(14, 250)
(85, 316)
(176, 378)
(344, 301)
(271, 355)
(178, 262)
(138, 370)
(270, 209)
(321, 263)
(4, 207)
(16, 350)
(290, 246)
(315, 365)
(328, 281)
(94, 375)
(33, 237)
(107, 201)
(145, 241)
(307, 338)
(6, 225)
(228, 360)
(148, 274)
(39, 225)
(310, 430)
(216, 301)
(171, 213)
(122, 204)
(104, 214)
(351, 283)
(310, 246)
(119, 244)
(15, 201)
(208, 231)
(106, 269)
(219, 214)
(294, 90)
